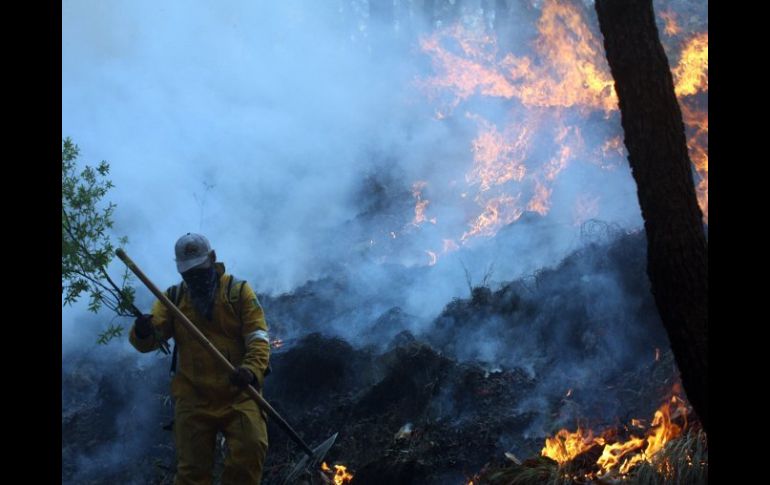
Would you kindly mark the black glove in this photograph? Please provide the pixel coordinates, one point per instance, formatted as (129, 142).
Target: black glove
(143, 326)
(242, 377)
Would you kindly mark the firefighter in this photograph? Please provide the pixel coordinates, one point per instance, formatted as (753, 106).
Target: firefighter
(207, 400)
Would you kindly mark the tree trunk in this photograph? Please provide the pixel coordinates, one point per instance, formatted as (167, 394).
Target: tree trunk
(677, 259)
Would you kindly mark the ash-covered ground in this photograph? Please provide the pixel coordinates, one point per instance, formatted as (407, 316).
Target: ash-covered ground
(413, 402)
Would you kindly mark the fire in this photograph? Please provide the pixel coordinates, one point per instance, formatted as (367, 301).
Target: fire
(620, 457)
(498, 211)
(691, 74)
(540, 202)
(691, 78)
(562, 83)
(664, 430)
(419, 208)
(341, 474)
(613, 147)
(576, 72)
(570, 69)
(566, 148)
(697, 123)
(566, 445)
(496, 161)
(669, 17)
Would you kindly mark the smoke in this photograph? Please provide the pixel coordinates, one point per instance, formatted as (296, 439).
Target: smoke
(292, 134)
(258, 125)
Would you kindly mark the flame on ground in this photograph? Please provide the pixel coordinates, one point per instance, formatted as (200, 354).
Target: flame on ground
(498, 211)
(566, 445)
(341, 474)
(420, 205)
(620, 457)
(496, 160)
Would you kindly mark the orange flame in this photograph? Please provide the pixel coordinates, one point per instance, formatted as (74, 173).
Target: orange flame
(565, 446)
(557, 164)
(613, 455)
(621, 456)
(497, 212)
(691, 74)
(572, 71)
(669, 17)
(697, 123)
(613, 147)
(691, 78)
(540, 202)
(420, 205)
(341, 474)
(496, 161)
(565, 75)
(578, 70)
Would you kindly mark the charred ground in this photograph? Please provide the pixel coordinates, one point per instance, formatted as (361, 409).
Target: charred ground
(494, 372)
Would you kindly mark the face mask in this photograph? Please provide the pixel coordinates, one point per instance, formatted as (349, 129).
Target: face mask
(202, 283)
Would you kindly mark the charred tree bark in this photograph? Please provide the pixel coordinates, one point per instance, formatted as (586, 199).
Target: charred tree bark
(677, 259)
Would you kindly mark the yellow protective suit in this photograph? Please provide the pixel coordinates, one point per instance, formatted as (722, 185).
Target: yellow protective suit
(206, 401)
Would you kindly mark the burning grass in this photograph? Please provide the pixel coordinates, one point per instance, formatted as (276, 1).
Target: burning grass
(682, 459)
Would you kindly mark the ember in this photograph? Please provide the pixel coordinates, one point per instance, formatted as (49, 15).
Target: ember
(276, 343)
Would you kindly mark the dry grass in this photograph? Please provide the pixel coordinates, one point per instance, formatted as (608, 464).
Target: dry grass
(684, 461)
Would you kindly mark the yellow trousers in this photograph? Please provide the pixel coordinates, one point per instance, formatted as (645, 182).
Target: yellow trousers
(195, 429)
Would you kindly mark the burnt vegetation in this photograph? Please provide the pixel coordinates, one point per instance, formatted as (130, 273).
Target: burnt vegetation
(470, 394)
(430, 407)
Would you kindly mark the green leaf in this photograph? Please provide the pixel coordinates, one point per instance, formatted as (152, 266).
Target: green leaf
(87, 247)
(114, 331)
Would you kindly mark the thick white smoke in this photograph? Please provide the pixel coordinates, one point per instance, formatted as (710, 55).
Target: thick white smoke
(292, 134)
(258, 124)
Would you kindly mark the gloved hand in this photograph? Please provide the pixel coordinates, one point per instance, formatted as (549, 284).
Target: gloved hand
(242, 377)
(143, 326)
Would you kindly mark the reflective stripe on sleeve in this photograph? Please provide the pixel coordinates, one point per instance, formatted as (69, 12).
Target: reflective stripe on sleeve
(258, 334)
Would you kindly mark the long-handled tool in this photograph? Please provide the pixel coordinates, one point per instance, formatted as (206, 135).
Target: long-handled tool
(314, 456)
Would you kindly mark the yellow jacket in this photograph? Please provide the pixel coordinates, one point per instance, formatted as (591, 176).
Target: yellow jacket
(237, 330)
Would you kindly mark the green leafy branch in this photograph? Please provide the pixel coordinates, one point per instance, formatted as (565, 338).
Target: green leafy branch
(86, 245)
